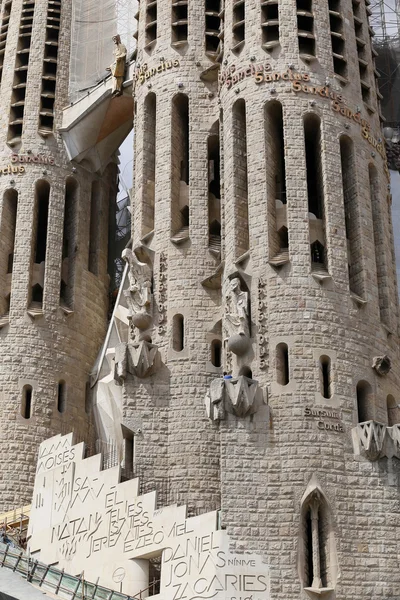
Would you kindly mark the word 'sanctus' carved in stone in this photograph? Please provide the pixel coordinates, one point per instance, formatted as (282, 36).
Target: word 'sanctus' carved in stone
(382, 364)
(240, 396)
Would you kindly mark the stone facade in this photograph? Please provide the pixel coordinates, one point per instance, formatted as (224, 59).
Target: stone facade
(45, 339)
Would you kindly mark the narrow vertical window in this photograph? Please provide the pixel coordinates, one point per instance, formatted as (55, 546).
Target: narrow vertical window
(365, 402)
(17, 108)
(270, 24)
(305, 29)
(213, 28)
(61, 397)
(180, 169)
(282, 364)
(26, 403)
(4, 32)
(7, 242)
(238, 25)
(49, 76)
(379, 243)
(240, 175)
(179, 23)
(94, 229)
(214, 196)
(178, 333)
(151, 24)
(393, 411)
(337, 38)
(325, 376)
(149, 162)
(216, 353)
(276, 184)
(128, 453)
(40, 227)
(315, 191)
(362, 51)
(69, 244)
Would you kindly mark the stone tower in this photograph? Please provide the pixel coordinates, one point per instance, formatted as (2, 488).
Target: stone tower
(262, 247)
(53, 247)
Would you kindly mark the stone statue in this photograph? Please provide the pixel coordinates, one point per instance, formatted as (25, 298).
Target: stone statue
(118, 67)
(139, 294)
(237, 317)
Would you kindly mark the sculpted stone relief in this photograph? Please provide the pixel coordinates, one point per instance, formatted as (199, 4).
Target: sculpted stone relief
(237, 317)
(240, 396)
(83, 519)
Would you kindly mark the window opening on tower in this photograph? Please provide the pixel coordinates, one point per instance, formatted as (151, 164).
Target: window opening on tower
(282, 364)
(240, 177)
(351, 213)
(379, 244)
(315, 191)
(216, 353)
(7, 241)
(325, 376)
(270, 24)
(337, 38)
(214, 196)
(61, 397)
(305, 29)
(149, 162)
(69, 244)
(26, 403)
(178, 333)
(364, 56)
(4, 32)
(151, 24)
(180, 210)
(49, 75)
(94, 228)
(365, 402)
(276, 183)
(213, 28)
(17, 107)
(179, 23)
(40, 229)
(238, 25)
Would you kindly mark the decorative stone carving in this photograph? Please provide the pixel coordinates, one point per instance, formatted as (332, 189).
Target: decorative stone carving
(240, 396)
(138, 295)
(139, 359)
(237, 318)
(382, 364)
(118, 67)
(162, 294)
(370, 438)
(262, 323)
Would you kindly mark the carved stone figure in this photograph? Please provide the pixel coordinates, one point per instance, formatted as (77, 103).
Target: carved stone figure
(237, 318)
(214, 400)
(382, 364)
(139, 295)
(118, 67)
(240, 396)
(140, 359)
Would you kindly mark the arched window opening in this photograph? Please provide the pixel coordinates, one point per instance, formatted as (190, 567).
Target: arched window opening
(39, 237)
(337, 37)
(61, 397)
(128, 459)
(282, 364)
(238, 25)
(151, 24)
(305, 29)
(179, 23)
(69, 243)
(94, 228)
(49, 73)
(37, 293)
(216, 353)
(246, 372)
(379, 243)
(351, 210)
(365, 402)
(178, 333)
(240, 177)
(149, 162)
(214, 196)
(317, 553)
(26, 404)
(180, 208)
(393, 411)
(270, 24)
(7, 242)
(325, 376)
(213, 28)
(276, 181)
(363, 50)
(315, 190)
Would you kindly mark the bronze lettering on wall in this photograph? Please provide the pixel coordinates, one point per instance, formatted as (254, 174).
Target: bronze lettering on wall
(145, 72)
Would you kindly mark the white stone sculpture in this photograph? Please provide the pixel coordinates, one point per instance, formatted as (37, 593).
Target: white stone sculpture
(237, 318)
